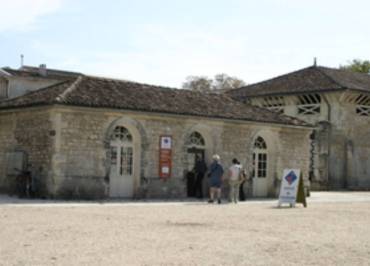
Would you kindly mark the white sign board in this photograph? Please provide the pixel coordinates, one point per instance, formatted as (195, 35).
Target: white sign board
(166, 142)
(289, 186)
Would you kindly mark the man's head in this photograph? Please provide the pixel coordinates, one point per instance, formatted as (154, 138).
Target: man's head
(216, 157)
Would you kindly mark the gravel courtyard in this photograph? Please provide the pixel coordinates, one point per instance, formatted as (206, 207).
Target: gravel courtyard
(333, 230)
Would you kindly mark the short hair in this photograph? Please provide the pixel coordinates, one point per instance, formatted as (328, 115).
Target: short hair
(216, 157)
(235, 161)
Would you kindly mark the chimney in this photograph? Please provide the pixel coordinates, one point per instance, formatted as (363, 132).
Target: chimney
(43, 70)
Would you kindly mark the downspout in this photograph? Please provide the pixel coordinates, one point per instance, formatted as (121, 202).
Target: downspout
(329, 139)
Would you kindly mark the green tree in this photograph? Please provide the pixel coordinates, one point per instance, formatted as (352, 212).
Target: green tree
(219, 84)
(357, 65)
(198, 83)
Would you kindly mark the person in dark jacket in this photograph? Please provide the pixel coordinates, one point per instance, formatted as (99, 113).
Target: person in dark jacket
(216, 174)
(200, 169)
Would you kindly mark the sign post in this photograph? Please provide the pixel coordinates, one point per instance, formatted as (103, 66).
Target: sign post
(165, 153)
(292, 190)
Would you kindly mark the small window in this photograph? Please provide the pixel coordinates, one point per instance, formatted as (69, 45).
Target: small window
(274, 103)
(309, 104)
(363, 105)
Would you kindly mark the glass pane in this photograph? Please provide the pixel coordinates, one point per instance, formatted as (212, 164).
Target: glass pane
(126, 161)
(197, 139)
(113, 157)
(122, 134)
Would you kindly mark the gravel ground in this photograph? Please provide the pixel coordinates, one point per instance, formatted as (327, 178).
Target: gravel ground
(328, 232)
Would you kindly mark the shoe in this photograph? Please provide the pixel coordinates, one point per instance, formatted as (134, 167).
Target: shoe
(219, 201)
(210, 201)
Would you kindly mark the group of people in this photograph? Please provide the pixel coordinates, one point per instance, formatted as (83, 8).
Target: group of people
(236, 176)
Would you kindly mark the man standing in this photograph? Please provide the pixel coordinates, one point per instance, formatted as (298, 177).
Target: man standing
(200, 169)
(234, 180)
(215, 174)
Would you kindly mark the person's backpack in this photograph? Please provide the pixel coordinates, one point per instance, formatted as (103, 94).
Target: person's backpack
(242, 175)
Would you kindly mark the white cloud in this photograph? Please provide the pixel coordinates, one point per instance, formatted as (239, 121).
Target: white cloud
(22, 14)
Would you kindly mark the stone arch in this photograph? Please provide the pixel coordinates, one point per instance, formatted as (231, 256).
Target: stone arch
(139, 141)
(205, 131)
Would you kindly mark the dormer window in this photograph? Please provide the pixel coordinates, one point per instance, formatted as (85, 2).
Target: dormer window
(274, 103)
(362, 105)
(309, 104)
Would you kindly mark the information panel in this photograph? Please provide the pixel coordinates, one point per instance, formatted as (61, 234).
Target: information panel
(289, 186)
(165, 153)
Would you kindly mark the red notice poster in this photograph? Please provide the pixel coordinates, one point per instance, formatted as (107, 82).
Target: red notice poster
(165, 150)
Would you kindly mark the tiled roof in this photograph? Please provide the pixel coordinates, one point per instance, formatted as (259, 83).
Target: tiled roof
(311, 79)
(110, 93)
(34, 72)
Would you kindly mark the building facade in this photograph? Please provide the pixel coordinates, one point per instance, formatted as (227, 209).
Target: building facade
(337, 102)
(89, 137)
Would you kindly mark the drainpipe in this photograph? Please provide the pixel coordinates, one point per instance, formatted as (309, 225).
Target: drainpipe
(329, 139)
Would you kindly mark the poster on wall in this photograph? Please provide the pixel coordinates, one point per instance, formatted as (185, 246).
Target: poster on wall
(291, 190)
(165, 153)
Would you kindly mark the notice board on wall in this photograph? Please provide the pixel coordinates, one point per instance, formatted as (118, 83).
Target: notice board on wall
(165, 156)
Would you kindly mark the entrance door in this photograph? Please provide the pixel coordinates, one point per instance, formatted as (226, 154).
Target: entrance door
(260, 168)
(193, 154)
(195, 149)
(121, 173)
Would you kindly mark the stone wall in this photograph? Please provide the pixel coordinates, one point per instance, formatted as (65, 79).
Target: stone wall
(80, 161)
(70, 147)
(30, 132)
(353, 146)
(341, 154)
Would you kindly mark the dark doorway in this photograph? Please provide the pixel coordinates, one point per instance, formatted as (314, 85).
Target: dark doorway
(193, 154)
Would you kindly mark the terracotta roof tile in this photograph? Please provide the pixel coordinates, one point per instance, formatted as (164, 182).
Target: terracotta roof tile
(311, 79)
(109, 93)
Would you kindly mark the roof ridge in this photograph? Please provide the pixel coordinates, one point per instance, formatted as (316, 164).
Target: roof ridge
(270, 79)
(129, 81)
(320, 69)
(62, 97)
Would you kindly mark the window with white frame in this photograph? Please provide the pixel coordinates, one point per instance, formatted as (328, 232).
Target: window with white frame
(274, 103)
(122, 151)
(363, 105)
(259, 158)
(309, 104)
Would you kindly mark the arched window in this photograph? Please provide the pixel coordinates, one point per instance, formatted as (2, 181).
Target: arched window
(260, 144)
(122, 134)
(260, 158)
(122, 152)
(196, 139)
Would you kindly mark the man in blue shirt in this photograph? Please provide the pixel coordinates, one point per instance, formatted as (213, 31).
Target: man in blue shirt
(216, 173)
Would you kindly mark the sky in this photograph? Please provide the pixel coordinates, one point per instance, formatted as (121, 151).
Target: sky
(164, 41)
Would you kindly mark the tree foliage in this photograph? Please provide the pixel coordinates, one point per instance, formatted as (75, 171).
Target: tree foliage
(219, 84)
(358, 65)
(197, 83)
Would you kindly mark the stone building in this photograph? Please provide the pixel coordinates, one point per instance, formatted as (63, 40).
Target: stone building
(16, 82)
(89, 137)
(338, 103)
